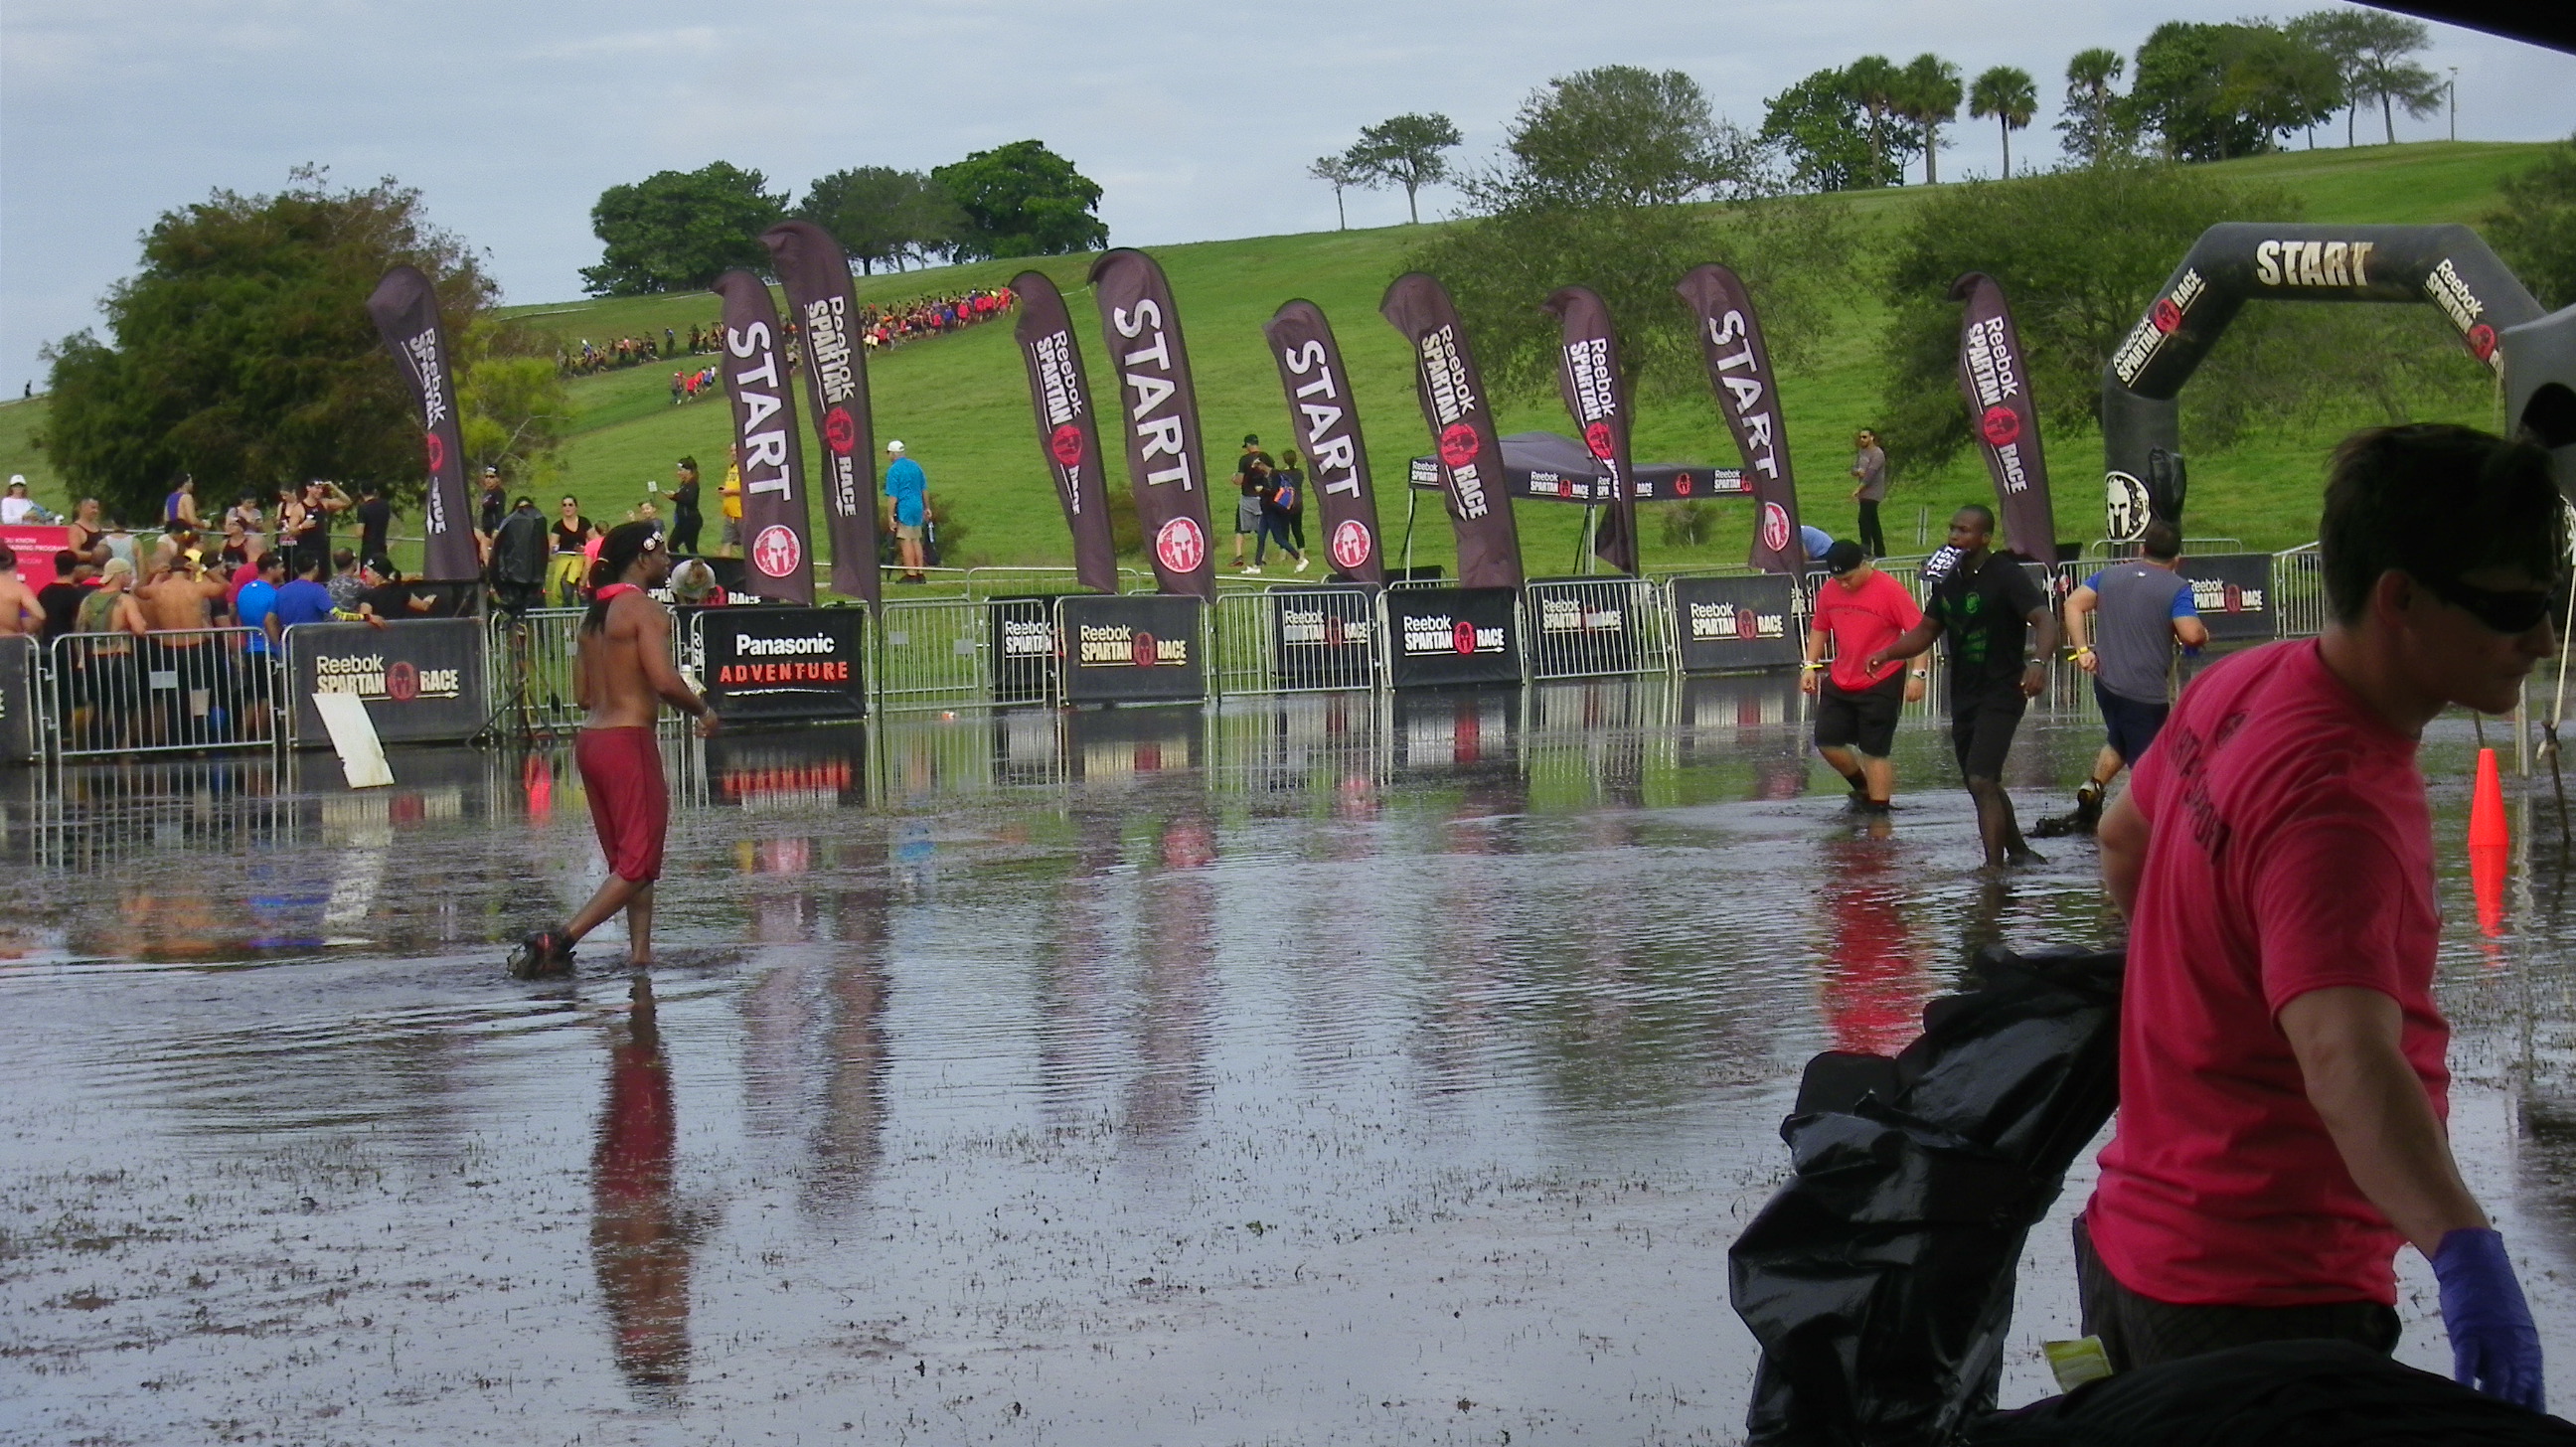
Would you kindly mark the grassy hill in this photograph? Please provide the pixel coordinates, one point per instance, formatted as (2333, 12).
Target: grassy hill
(960, 402)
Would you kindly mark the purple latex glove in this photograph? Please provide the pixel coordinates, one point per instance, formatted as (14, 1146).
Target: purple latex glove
(2494, 1346)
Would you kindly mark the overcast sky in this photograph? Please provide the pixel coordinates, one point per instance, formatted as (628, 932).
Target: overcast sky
(1196, 119)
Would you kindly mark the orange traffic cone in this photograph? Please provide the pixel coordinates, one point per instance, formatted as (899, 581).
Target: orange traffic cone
(2490, 845)
(2487, 827)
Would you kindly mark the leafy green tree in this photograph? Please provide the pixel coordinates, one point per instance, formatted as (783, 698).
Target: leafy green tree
(680, 230)
(1618, 136)
(1874, 82)
(1406, 151)
(513, 411)
(2535, 229)
(2006, 93)
(2096, 125)
(2215, 91)
(2386, 70)
(1819, 125)
(1022, 200)
(882, 214)
(242, 351)
(2341, 36)
(1928, 94)
(1340, 173)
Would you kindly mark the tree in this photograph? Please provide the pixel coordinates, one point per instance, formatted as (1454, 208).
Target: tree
(2096, 125)
(513, 411)
(2386, 72)
(2340, 36)
(1820, 125)
(1022, 200)
(680, 230)
(1928, 94)
(2215, 91)
(242, 351)
(2535, 229)
(1618, 136)
(2008, 94)
(881, 214)
(1340, 173)
(1874, 84)
(1405, 151)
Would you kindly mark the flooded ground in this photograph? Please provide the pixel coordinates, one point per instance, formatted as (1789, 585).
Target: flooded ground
(1318, 1070)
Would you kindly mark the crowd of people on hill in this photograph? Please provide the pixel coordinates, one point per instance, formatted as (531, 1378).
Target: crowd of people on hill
(899, 322)
(880, 326)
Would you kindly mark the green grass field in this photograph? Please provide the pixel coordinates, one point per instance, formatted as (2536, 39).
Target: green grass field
(960, 402)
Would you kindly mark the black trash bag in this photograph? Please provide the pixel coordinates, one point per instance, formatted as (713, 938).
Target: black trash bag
(1879, 1280)
(2278, 1394)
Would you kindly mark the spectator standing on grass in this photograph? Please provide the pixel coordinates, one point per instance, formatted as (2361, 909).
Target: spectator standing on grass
(179, 509)
(17, 507)
(345, 586)
(61, 598)
(686, 521)
(1274, 518)
(572, 535)
(1869, 468)
(89, 535)
(255, 607)
(20, 613)
(1292, 486)
(1815, 542)
(1247, 501)
(306, 598)
(729, 504)
(907, 494)
(375, 521)
(490, 507)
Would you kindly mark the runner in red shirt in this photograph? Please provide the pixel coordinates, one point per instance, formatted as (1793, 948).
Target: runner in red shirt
(1860, 610)
(2282, 1083)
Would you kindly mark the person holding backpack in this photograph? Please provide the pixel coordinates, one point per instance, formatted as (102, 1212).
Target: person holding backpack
(1278, 496)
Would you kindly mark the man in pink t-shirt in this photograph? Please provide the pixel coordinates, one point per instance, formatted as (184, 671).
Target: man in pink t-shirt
(2282, 1077)
(1859, 610)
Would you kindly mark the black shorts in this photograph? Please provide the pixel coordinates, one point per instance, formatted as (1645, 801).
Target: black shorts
(2140, 1331)
(2130, 724)
(1981, 729)
(1865, 720)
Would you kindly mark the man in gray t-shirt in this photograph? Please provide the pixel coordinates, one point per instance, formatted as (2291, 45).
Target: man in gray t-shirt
(2123, 624)
(1869, 468)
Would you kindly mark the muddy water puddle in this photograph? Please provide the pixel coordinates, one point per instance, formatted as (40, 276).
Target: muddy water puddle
(1312, 1070)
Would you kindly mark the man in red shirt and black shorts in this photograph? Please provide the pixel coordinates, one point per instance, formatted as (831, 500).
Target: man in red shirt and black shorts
(2283, 1084)
(1860, 611)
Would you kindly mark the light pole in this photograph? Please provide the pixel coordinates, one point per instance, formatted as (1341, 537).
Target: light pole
(2455, 102)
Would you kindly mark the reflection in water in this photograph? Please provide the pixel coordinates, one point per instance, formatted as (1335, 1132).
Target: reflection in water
(1175, 996)
(639, 1243)
(1873, 990)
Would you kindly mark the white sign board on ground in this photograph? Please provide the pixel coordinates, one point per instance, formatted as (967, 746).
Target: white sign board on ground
(353, 738)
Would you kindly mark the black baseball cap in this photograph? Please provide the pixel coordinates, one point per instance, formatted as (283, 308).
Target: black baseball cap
(1844, 556)
(1249, 440)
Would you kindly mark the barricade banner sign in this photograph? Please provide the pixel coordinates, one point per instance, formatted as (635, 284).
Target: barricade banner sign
(1068, 433)
(1165, 461)
(2004, 416)
(1324, 637)
(20, 739)
(1731, 625)
(1453, 635)
(35, 546)
(1748, 397)
(2233, 592)
(816, 274)
(1327, 419)
(421, 680)
(1023, 647)
(775, 519)
(1587, 374)
(1136, 648)
(405, 309)
(1582, 626)
(1462, 431)
(782, 663)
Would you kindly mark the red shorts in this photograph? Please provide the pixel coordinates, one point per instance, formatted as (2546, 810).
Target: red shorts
(630, 806)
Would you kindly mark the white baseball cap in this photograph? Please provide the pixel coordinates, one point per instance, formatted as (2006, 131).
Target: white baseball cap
(895, 447)
(17, 479)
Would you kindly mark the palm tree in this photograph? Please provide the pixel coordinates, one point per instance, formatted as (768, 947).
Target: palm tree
(2090, 75)
(1873, 83)
(2008, 94)
(1928, 94)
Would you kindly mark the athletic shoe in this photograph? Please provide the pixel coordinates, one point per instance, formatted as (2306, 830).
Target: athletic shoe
(1301, 565)
(543, 955)
(1254, 570)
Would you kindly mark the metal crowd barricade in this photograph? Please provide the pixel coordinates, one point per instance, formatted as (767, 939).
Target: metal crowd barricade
(23, 723)
(2298, 593)
(530, 666)
(1292, 638)
(931, 653)
(169, 691)
(1588, 627)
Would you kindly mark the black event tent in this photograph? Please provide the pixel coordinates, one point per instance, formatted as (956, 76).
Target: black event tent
(1552, 467)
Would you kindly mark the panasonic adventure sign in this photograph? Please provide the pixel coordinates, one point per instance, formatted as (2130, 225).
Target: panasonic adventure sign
(782, 663)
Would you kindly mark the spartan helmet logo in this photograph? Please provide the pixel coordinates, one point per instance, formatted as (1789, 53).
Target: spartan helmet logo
(2125, 510)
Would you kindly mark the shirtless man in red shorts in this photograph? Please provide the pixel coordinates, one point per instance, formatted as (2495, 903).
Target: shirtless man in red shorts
(622, 675)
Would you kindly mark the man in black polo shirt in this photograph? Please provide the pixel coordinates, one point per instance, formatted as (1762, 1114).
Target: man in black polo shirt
(1989, 609)
(375, 521)
(1247, 502)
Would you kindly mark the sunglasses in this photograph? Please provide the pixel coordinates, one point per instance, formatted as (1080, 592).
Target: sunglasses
(2515, 611)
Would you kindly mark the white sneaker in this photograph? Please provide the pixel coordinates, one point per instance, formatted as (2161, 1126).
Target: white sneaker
(1301, 565)
(1254, 570)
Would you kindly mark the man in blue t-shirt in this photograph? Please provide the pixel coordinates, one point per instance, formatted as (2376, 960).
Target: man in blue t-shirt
(2123, 625)
(908, 490)
(256, 604)
(306, 599)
